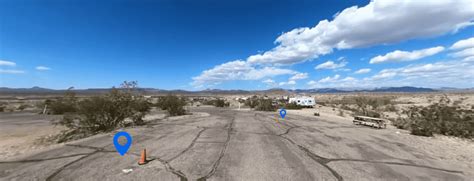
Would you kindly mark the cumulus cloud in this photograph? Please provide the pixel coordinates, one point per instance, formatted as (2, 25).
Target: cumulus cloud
(377, 23)
(464, 49)
(7, 63)
(462, 44)
(291, 82)
(363, 71)
(373, 24)
(399, 56)
(335, 81)
(42, 68)
(331, 65)
(464, 53)
(299, 76)
(449, 73)
(445, 73)
(269, 82)
(330, 79)
(237, 70)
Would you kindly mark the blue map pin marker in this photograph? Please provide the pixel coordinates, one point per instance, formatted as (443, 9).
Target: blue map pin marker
(282, 113)
(122, 149)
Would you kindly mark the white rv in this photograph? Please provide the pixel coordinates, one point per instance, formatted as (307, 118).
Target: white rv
(303, 101)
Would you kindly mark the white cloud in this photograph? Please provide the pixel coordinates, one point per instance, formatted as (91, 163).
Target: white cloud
(291, 82)
(462, 44)
(399, 56)
(42, 68)
(440, 74)
(450, 73)
(363, 71)
(373, 24)
(269, 82)
(3, 71)
(330, 79)
(377, 23)
(464, 53)
(299, 76)
(334, 81)
(331, 65)
(7, 63)
(237, 70)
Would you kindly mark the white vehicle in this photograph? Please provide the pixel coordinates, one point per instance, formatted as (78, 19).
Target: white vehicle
(303, 101)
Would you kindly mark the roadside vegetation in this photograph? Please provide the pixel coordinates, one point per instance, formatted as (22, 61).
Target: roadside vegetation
(172, 104)
(217, 103)
(444, 117)
(89, 116)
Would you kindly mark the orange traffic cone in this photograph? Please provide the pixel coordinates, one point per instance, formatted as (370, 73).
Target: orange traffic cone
(143, 158)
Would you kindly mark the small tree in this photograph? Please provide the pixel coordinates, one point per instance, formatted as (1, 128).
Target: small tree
(173, 104)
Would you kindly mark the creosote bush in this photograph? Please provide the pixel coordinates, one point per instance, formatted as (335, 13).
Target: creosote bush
(293, 105)
(217, 103)
(65, 104)
(265, 105)
(118, 108)
(173, 104)
(441, 118)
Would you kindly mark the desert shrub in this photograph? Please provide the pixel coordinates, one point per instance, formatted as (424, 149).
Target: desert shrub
(217, 103)
(391, 108)
(293, 105)
(340, 113)
(65, 104)
(221, 103)
(440, 118)
(265, 105)
(103, 114)
(252, 102)
(3, 106)
(22, 107)
(173, 104)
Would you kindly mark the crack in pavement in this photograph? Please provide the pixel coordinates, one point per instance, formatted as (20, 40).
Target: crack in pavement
(189, 147)
(223, 150)
(317, 158)
(324, 161)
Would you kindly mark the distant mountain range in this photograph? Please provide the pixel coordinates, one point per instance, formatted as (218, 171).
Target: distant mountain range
(407, 89)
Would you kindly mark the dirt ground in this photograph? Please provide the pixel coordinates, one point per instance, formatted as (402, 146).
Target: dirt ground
(27, 132)
(21, 132)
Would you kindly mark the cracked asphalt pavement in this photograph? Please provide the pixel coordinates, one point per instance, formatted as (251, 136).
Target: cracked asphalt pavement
(238, 145)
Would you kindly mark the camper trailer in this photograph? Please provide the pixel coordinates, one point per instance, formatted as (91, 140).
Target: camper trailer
(303, 101)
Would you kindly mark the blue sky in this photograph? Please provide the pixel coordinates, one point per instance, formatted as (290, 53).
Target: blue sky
(258, 44)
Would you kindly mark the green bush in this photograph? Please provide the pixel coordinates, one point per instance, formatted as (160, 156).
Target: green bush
(293, 105)
(265, 105)
(217, 103)
(173, 104)
(252, 102)
(103, 114)
(65, 104)
(440, 118)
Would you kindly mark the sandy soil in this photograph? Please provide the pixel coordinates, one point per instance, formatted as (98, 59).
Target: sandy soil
(21, 132)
